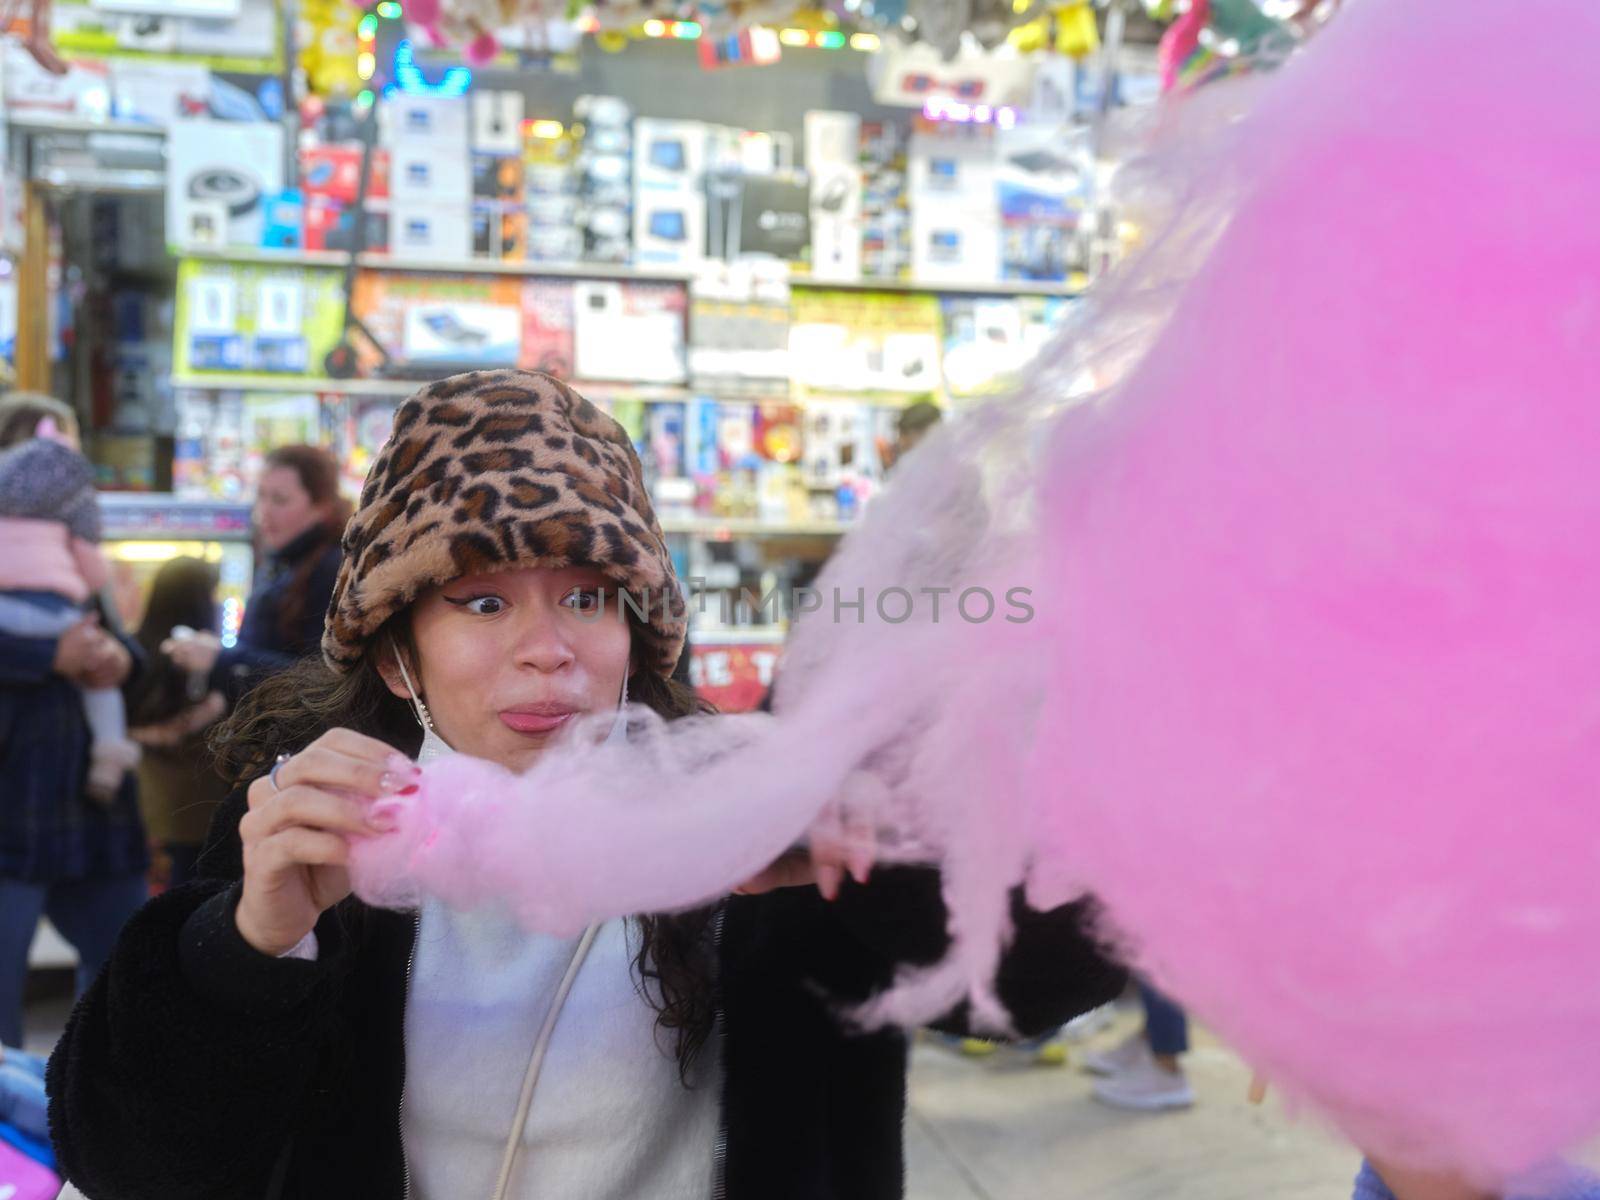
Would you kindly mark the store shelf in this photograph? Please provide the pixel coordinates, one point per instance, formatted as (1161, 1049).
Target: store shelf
(47, 123)
(484, 266)
(722, 529)
(649, 393)
(1015, 287)
(227, 381)
(465, 266)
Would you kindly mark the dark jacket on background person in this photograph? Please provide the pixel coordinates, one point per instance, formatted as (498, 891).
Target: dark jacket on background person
(264, 645)
(198, 1067)
(50, 831)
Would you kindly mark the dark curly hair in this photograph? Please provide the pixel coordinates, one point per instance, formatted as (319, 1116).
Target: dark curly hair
(674, 962)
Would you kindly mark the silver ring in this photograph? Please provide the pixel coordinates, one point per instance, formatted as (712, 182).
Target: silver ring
(277, 765)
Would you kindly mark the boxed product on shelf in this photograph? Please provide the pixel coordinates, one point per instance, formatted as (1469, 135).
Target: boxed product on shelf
(955, 215)
(669, 206)
(885, 209)
(865, 342)
(251, 317)
(497, 177)
(1043, 193)
(499, 233)
(405, 119)
(385, 299)
(223, 439)
(451, 332)
(547, 319)
(430, 173)
(218, 175)
(366, 425)
(740, 342)
(833, 163)
(497, 122)
(630, 331)
(330, 225)
(333, 173)
(775, 216)
(439, 232)
(604, 165)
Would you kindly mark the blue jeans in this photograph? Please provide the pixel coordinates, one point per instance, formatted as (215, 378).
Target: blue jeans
(1165, 1024)
(89, 913)
(22, 1101)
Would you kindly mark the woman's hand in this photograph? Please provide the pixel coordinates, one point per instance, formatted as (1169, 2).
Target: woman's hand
(175, 729)
(195, 652)
(840, 841)
(85, 653)
(296, 833)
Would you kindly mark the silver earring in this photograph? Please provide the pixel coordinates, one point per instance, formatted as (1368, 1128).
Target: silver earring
(418, 708)
(424, 717)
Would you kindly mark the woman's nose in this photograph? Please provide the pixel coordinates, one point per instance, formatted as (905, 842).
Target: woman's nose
(541, 642)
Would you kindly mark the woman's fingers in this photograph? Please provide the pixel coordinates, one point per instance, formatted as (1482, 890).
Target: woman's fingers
(363, 772)
(304, 847)
(307, 807)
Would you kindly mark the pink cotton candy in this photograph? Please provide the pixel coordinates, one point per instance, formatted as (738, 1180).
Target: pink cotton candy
(1328, 581)
(1305, 513)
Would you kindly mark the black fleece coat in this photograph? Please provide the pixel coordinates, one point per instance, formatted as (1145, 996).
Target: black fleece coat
(196, 1067)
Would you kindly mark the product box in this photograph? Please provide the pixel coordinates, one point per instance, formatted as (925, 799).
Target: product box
(429, 173)
(438, 232)
(406, 120)
(1043, 193)
(547, 320)
(952, 244)
(497, 122)
(245, 317)
(332, 226)
(152, 94)
(253, 33)
(283, 217)
(629, 331)
(497, 177)
(499, 233)
(218, 174)
(832, 145)
(454, 332)
(334, 173)
(775, 216)
(669, 206)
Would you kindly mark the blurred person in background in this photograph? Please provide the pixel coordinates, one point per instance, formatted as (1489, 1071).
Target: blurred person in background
(300, 517)
(79, 861)
(1143, 1072)
(179, 787)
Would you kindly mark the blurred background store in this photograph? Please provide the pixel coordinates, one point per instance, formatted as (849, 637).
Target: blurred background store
(752, 236)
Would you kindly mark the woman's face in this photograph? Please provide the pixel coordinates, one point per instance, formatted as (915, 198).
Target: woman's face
(284, 509)
(509, 659)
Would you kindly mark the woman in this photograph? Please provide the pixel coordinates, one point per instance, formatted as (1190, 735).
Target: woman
(179, 787)
(78, 861)
(299, 516)
(317, 1047)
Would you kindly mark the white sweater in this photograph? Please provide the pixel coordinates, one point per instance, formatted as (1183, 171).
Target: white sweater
(609, 1121)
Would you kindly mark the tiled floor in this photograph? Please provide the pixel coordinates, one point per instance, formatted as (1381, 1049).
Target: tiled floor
(999, 1129)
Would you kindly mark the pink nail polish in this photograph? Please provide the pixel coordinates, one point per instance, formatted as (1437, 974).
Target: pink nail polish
(408, 790)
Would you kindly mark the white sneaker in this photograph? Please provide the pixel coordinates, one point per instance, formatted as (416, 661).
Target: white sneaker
(1145, 1087)
(1125, 1055)
(1082, 1028)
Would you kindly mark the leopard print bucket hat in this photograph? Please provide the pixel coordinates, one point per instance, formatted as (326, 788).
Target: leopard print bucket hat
(495, 470)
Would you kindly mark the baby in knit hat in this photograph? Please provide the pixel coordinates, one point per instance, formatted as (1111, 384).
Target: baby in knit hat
(52, 566)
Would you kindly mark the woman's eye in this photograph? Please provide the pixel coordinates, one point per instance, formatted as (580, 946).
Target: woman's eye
(584, 599)
(483, 606)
